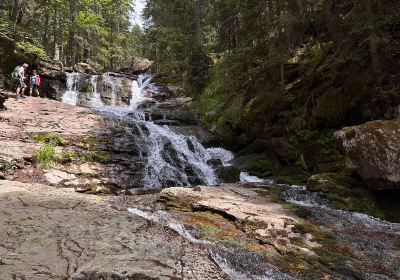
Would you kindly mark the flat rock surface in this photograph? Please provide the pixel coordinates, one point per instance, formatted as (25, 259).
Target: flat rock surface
(48, 233)
(240, 203)
(31, 116)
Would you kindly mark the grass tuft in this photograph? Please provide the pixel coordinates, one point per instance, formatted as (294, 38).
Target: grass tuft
(53, 139)
(45, 156)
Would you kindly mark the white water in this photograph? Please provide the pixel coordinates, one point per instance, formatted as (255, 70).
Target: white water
(71, 95)
(221, 154)
(247, 178)
(169, 158)
(96, 101)
(162, 166)
(137, 91)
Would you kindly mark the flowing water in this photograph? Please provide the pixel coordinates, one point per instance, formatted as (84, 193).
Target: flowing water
(165, 158)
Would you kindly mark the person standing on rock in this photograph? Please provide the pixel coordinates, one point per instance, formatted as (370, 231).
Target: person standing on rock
(34, 83)
(19, 79)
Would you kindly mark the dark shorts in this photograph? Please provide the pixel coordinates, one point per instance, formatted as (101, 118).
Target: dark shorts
(19, 84)
(34, 87)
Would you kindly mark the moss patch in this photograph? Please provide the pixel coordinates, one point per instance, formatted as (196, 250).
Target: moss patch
(53, 139)
(346, 193)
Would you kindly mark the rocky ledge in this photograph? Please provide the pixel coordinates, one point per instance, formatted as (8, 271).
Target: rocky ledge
(49, 233)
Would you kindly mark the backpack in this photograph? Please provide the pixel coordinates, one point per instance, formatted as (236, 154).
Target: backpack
(14, 74)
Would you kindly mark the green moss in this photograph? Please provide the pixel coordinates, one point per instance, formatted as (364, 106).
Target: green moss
(346, 193)
(302, 163)
(45, 156)
(291, 175)
(53, 139)
(67, 157)
(96, 156)
(89, 142)
(298, 242)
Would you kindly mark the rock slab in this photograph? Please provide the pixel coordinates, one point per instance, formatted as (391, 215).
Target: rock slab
(48, 233)
(374, 149)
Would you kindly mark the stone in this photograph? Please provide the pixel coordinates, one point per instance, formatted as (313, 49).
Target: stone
(345, 192)
(256, 164)
(84, 68)
(258, 215)
(53, 78)
(48, 233)
(136, 66)
(228, 174)
(374, 149)
(56, 177)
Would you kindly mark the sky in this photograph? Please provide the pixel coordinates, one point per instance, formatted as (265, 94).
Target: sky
(136, 16)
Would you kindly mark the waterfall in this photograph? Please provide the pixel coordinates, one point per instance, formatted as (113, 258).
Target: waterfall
(96, 101)
(160, 156)
(175, 160)
(137, 91)
(71, 95)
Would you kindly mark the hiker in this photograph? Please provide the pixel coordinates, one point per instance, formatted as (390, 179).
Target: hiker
(34, 84)
(19, 79)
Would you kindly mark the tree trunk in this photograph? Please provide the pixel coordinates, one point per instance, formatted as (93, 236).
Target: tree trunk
(198, 17)
(45, 36)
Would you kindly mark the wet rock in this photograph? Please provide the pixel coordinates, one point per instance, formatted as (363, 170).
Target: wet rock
(136, 66)
(374, 149)
(251, 208)
(256, 164)
(228, 174)
(345, 192)
(216, 162)
(84, 68)
(175, 102)
(178, 116)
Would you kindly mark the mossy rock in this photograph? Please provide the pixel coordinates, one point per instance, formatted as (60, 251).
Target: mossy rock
(291, 175)
(228, 174)
(349, 194)
(256, 164)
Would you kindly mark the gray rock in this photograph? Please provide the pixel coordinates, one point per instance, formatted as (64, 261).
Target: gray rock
(48, 233)
(374, 149)
(84, 68)
(137, 66)
(228, 174)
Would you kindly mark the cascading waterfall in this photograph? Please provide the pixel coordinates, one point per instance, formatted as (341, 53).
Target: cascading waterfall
(166, 158)
(137, 91)
(71, 95)
(175, 159)
(96, 101)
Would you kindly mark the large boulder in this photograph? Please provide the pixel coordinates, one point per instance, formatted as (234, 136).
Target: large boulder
(136, 66)
(84, 68)
(53, 78)
(374, 149)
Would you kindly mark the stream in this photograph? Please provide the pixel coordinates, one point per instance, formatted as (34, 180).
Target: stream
(162, 156)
